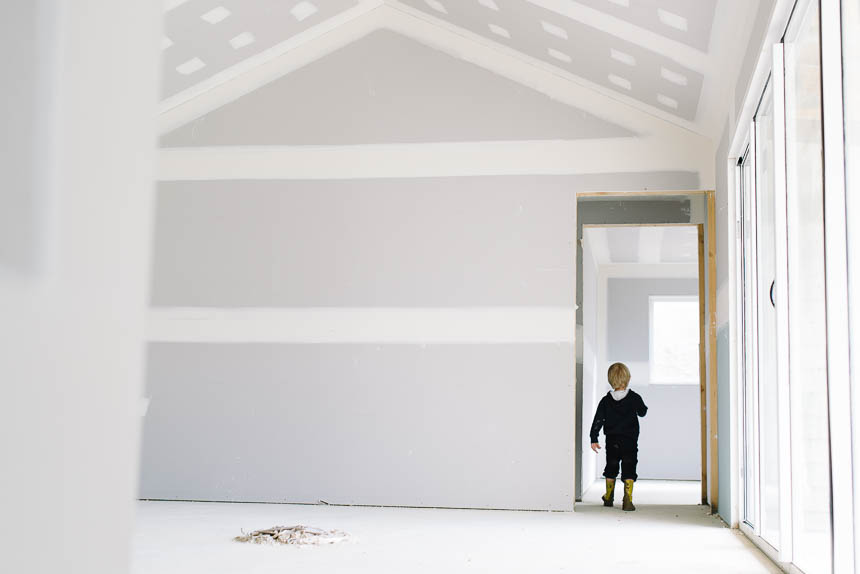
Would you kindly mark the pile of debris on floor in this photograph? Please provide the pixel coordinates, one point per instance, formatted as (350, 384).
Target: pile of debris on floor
(297, 535)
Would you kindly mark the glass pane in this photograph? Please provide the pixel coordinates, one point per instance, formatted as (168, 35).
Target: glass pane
(810, 455)
(766, 316)
(674, 340)
(851, 99)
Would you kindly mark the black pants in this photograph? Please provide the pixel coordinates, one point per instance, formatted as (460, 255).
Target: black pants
(624, 450)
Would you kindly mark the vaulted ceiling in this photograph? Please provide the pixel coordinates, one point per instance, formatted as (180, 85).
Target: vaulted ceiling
(664, 57)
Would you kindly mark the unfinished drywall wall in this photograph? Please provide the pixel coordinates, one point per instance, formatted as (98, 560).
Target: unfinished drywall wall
(410, 424)
(451, 247)
(433, 242)
(441, 248)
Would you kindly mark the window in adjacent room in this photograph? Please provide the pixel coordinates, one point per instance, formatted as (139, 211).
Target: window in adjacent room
(674, 340)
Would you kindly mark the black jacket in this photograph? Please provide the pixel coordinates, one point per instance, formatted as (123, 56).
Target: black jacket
(618, 418)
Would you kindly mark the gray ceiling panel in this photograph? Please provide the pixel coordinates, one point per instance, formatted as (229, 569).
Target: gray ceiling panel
(386, 88)
(653, 15)
(579, 49)
(204, 30)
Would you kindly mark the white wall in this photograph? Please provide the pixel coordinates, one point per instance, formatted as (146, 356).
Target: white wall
(76, 151)
(590, 366)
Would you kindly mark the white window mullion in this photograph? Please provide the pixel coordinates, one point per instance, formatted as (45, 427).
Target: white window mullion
(753, 368)
(736, 335)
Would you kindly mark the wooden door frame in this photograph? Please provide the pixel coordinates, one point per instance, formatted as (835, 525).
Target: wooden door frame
(707, 326)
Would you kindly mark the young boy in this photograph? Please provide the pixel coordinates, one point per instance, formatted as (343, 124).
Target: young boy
(618, 413)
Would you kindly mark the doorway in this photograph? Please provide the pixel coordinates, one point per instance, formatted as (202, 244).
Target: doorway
(644, 304)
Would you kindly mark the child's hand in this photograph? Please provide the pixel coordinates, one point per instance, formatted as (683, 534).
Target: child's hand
(595, 446)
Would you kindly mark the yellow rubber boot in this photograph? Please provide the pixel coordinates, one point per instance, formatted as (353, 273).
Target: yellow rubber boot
(627, 501)
(609, 497)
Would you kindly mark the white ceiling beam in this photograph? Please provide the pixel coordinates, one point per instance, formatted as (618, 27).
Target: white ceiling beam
(676, 51)
(609, 155)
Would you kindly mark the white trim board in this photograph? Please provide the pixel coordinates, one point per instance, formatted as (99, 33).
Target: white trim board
(596, 156)
(490, 325)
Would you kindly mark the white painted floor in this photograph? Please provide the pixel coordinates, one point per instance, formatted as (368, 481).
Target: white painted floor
(650, 492)
(191, 538)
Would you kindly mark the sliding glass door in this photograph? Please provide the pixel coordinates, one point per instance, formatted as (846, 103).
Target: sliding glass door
(786, 465)
(810, 453)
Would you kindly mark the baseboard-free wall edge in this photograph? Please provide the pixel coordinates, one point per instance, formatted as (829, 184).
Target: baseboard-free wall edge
(348, 505)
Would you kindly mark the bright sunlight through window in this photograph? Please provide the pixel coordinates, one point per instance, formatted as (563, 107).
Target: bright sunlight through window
(674, 338)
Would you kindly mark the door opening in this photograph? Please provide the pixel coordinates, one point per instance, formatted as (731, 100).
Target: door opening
(644, 299)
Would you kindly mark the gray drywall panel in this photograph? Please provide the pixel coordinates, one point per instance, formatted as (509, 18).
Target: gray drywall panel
(725, 430)
(670, 443)
(484, 426)
(386, 88)
(628, 320)
(430, 242)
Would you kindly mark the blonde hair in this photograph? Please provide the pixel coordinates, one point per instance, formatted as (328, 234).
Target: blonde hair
(619, 376)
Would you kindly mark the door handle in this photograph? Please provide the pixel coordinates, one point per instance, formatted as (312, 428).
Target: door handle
(772, 286)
